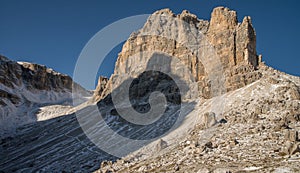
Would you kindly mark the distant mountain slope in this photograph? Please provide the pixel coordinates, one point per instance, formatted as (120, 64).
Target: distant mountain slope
(24, 87)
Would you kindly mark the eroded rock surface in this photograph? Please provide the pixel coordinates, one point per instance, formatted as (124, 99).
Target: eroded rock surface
(234, 44)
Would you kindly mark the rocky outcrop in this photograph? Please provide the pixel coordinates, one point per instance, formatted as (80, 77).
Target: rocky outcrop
(40, 77)
(99, 91)
(26, 86)
(233, 42)
(34, 76)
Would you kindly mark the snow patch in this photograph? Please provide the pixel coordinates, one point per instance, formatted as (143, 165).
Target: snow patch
(52, 111)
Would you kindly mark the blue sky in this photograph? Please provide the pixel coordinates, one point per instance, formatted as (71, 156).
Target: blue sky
(53, 33)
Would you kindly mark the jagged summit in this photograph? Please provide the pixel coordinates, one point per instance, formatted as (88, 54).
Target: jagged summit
(166, 11)
(233, 44)
(36, 67)
(185, 14)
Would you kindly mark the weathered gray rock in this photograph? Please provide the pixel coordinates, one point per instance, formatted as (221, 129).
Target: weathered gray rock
(203, 170)
(161, 144)
(209, 119)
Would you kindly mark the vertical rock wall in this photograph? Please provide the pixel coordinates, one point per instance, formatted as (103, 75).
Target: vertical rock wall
(233, 42)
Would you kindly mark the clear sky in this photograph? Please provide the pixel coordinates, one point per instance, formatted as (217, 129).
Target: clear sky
(54, 32)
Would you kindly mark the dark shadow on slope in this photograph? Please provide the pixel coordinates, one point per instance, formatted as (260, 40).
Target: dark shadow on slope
(54, 145)
(60, 144)
(139, 92)
(170, 85)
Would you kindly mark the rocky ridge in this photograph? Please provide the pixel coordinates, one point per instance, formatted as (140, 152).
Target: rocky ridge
(24, 87)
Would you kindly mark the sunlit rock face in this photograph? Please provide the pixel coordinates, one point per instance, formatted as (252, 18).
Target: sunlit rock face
(99, 91)
(193, 40)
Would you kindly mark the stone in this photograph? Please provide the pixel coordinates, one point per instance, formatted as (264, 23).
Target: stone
(291, 135)
(291, 148)
(209, 119)
(294, 149)
(176, 168)
(208, 145)
(223, 121)
(222, 170)
(161, 144)
(203, 170)
(142, 169)
(294, 91)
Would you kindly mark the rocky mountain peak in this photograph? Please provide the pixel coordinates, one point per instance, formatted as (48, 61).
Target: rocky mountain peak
(234, 44)
(188, 17)
(39, 68)
(165, 11)
(223, 18)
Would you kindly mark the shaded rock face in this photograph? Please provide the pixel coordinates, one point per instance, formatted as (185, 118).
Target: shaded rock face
(233, 42)
(40, 77)
(34, 76)
(140, 91)
(26, 86)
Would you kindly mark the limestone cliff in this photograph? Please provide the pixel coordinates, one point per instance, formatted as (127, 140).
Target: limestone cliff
(233, 42)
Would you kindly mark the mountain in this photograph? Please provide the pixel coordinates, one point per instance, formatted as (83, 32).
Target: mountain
(186, 95)
(233, 42)
(249, 122)
(25, 88)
